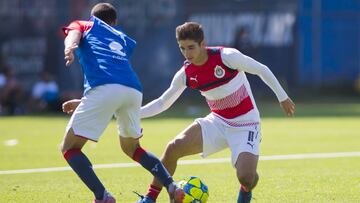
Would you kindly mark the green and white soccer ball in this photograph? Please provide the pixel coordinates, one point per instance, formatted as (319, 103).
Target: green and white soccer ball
(195, 190)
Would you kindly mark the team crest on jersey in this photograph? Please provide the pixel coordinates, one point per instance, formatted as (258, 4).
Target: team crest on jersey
(219, 72)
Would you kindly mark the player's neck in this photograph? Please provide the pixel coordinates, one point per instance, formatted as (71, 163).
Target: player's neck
(202, 58)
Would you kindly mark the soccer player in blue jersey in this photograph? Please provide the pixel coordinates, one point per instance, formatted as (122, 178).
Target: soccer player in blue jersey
(111, 88)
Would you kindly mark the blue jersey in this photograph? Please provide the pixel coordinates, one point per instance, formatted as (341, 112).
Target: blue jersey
(104, 54)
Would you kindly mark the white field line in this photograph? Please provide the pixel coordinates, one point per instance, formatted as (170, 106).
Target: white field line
(194, 162)
(11, 143)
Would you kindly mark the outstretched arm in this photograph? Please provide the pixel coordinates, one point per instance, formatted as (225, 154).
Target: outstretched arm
(167, 98)
(235, 59)
(71, 43)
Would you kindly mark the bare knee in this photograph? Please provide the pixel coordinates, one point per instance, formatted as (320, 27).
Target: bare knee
(129, 145)
(246, 169)
(65, 144)
(129, 151)
(248, 179)
(71, 141)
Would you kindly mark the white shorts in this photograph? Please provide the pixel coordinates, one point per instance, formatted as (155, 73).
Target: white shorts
(98, 107)
(218, 136)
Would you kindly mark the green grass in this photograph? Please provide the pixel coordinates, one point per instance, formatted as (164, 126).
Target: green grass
(317, 129)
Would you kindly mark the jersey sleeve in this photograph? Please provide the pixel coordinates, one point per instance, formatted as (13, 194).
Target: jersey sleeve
(164, 102)
(234, 59)
(79, 25)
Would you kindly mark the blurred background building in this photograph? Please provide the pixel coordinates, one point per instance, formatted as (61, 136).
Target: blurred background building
(312, 46)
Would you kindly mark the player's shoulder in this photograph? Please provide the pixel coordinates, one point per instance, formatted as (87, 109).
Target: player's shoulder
(84, 22)
(214, 49)
(80, 25)
(181, 70)
(229, 51)
(180, 76)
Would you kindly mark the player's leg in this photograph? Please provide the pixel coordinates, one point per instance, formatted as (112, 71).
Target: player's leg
(244, 144)
(128, 118)
(71, 149)
(151, 163)
(246, 172)
(188, 142)
(87, 123)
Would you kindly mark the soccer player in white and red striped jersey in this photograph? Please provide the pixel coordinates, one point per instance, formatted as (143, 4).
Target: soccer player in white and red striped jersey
(234, 122)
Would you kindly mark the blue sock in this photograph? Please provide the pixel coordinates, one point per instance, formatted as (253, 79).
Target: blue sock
(244, 197)
(151, 163)
(83, 168)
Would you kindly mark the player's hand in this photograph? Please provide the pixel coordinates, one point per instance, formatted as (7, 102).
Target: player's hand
(288, 106)
(70, 106)
(69, 54)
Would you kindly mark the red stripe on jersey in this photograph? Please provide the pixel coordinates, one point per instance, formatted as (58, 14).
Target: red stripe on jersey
(236, 104)
(229, 101)
(244, 107)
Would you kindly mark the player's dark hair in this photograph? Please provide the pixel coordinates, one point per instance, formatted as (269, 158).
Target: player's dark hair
(190, 31)
(105, 11)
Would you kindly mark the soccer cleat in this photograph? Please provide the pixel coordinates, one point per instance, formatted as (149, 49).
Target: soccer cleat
(176, 193)
(108, 198)
(144, 199)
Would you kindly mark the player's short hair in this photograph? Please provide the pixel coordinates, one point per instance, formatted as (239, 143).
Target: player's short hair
(190, 31)
(104, 11)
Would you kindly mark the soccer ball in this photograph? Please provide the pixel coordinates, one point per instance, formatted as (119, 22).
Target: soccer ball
(195, 190)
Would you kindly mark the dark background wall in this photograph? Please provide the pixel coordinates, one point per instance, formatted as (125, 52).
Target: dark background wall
(311, 44)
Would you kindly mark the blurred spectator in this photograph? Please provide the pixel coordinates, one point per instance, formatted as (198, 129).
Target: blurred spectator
(2, 84)
(242, 42)
(2, 80)
(45, 94)
(11, 94)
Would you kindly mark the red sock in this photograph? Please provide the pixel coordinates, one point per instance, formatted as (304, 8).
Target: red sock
(71, 152)
(138, 153)
(244, 188)
(153, 192)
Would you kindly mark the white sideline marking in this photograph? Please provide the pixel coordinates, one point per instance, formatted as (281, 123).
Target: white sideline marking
(11, 142)
(194, 162)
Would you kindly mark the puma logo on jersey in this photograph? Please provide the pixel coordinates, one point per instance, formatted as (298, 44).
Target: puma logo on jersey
(193, 78)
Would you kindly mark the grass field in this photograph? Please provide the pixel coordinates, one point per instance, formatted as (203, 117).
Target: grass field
(317, 129)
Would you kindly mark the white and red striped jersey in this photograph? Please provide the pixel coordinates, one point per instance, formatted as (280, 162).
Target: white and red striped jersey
(223, 83)
(213, 75)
